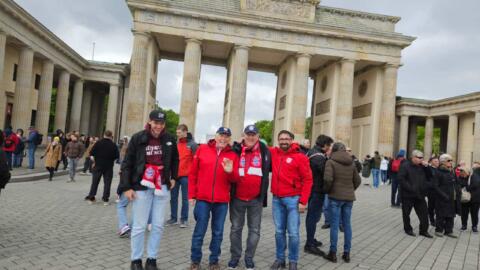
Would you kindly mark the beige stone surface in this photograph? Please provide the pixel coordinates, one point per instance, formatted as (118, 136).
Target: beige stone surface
(452, 143)
(387, 122)
(428, 142)
(86, 110)
(61, 105)
(298, 106)
(190, 83)
(112, 108)
(403, 142)
(3, 98)
(343, 113)
(45, 98)
(22, 112)
(476, 143)
(76, 112)
(466, 138)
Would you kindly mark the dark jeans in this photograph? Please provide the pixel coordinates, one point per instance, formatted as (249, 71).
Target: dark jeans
(431, 207)
(472, 209)
(395, 197)
(9, 159)
(64, 161)
(420, 207)
(201, 213)
(183, 184)
(253, 209)
(50, 170)
(444, 224)
(314, 213)
(87, 165)
(97, 174)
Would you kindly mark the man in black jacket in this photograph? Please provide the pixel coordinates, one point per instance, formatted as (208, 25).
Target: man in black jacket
(318, 157)
(148, 172)
(103, 155)
(413, 177)
(249, 195)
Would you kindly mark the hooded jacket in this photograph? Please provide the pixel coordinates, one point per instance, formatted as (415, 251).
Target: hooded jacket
(291, 174)
(341, 177)
(186, 151)
(317, 164)
(207, 180)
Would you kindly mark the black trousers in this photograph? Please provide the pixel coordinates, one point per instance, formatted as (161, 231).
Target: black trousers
(50, 170)
(444, 224)
(87, 165)
(421, 210)
(97, 174)
(472, 209)
(431, 208)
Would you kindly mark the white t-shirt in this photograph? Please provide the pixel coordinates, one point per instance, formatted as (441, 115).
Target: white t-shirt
(384, 165)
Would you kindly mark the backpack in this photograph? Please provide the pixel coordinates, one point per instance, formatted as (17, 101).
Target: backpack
(38, 139)
(9, 142)
(396, 164)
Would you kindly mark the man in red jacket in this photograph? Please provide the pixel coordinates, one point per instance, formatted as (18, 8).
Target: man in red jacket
(214, 167)
(291, 187)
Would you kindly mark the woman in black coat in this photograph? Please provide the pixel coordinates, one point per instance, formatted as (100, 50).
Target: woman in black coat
(4, 169)
(447, 197)
(474, 189)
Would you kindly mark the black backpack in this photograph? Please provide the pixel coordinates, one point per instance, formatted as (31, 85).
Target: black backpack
(38, 139)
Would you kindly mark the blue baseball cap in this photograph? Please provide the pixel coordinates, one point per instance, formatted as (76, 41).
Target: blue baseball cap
(225, 131)
(250, 129)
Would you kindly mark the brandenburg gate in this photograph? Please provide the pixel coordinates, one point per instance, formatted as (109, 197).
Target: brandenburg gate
(353, 58)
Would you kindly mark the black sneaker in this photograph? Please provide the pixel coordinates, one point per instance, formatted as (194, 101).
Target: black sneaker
(136, 265)
(474, 229)
(325, 226)
(151, 264)
(292, 266)
(317, 243)
(249, 265)
(232, 264)
(331, 256)
(278, 265)
(426, 234)
(411, 233)
(313, 250)
(346, 257)
(464, 228)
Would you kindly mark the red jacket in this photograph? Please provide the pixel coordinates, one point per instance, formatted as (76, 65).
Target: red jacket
(207, 180)
(186, 150)
(15, 141)
(291, 173)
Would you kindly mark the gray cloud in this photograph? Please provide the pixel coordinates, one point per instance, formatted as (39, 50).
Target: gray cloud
(442, 62)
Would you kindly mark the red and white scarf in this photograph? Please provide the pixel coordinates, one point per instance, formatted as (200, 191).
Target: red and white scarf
(251, 164)
(152, 178)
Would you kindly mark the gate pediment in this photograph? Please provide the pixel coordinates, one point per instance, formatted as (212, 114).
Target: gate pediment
(294, 10)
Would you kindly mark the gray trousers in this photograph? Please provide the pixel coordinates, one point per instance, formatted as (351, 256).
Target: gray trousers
(253, 210)
(72, 167)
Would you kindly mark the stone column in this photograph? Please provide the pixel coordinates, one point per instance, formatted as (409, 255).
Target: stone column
(343, 115)
(101, 114)
(76, 113)
(61, 105)
(300, 97)
(190, 84)
(476, 142)
(86, 109)
(234, 116)
(412, 137)
(3, 97)
(452, 142)
(112, 108)
(138, 83)
(45, 98)
(403, 141)
(428, 142)
(387, 123)
(22, 109)
(94, 114)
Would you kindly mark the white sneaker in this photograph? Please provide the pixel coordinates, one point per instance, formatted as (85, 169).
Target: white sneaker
(184, 224)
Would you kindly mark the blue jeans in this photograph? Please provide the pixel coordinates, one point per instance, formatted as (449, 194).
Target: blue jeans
(122, 211)
(395, 196)
(72, 167)
(326, 214)
(31, 156)
(286, 217)
(201, 213)
(384, 176)
(9, 159)
(181, 183)
(376, 177)
(314, 212)
(340, 210)
(144, 204)
(17, 160)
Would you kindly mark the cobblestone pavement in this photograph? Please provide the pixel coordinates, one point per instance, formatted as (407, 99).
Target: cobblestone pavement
(47, 225)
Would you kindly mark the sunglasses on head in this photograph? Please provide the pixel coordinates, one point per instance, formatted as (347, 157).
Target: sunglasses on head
(449, 160)
(419, 157)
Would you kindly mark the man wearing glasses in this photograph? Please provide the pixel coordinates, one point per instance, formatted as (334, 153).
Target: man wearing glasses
(413, 177)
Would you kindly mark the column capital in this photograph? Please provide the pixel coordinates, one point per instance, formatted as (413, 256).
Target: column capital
(80, 80)
(347, 60)
(392, 65)
(2, 32)
(306, 55)
(142, 33)
(114, 84)
(241, 47)
(26, 48)
(193, 40)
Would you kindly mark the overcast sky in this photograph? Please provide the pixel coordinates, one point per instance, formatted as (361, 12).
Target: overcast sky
(442, 62)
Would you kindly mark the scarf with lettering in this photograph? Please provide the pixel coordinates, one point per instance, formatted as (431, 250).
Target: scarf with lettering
(152, 178)
(251, 164)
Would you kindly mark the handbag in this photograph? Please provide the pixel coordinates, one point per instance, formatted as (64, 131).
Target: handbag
(466, 196)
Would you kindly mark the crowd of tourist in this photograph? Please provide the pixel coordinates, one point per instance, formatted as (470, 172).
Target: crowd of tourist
(223, 176)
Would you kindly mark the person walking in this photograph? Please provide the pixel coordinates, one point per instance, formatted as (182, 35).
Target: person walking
(103, 155)
(249, 196)
(341, 181)
(34, 139)
(463, 181)
(434, 163)
(376, 162)
(186, 151)
(52, 155)
(214, 168)
(87, 164)
(63, 142)
(9, 145)
(366, 169)
(291, 188)
(317, 156)
(123, 149)
(447, 201)
(73, 151)
(4, 168)
(19, 152)
(384, 170)
(148, 173)
(395, 168)
(474, 188)
(413, 176)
